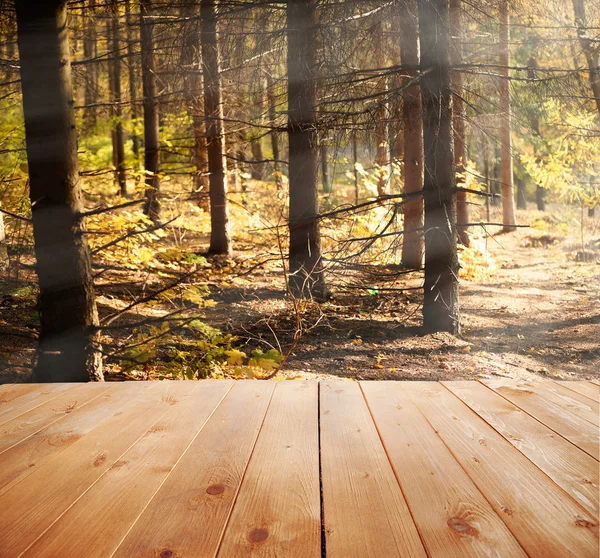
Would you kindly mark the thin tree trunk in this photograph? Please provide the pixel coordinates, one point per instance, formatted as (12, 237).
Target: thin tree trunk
(440, 303)
(540, 193)
(132, 82)
(521, 193)
(540, 198)
(220, 240)
(115, 99)
(191, 63)
(508, 198)
(381, 131)
(324, 159)
(274, 134)
(306, 271)
(460, 114)
(91, 69)
(151, 125)
(590, 50)
(68, 350)
(412, 247)
(355, 165)
(4, 261)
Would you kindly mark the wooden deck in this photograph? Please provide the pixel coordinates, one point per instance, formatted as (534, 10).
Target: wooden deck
(295, 468)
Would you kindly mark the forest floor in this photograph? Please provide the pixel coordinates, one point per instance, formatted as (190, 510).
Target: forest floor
(534, 311)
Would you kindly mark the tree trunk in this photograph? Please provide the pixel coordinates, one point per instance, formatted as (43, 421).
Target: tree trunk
(306, 270)
(191, 63)
(381, 131)
(68, 349)
(115, 99)
(412, 247)
(324, 158)
(590, 50)
(3, 247)
(540, 198)
(220, 240)
(151, 126)
(508, 197)
(274, 133)
(132, 82)
(440, 304)
(460, 134)
(521, 193)
(91, 68)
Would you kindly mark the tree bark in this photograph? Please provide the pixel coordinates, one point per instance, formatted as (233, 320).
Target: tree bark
(587, 46)
(4, 261)
(220, 240)
(91, 78)
(460, 115)
(508, 197)
(306, 271)
(412, 247)
(151, 124)
(381, 129)
(68, 346)
(115, 99)
(440, 304)
(191, 63)
(324, 159)
(521, 193)
(132, 82)
(274, 133)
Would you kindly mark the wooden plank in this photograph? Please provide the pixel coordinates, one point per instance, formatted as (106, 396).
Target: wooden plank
(543, 518)
(588, 389)
(278, 509)
(452, 516)
(9, 392)
(365, 513)
(187, 516)
(27, 424)
(555, 416)
(29, 455)
(32, 399)
(569, 467)
(31, 506)
(595, 382)
(578, 404)
(106, 512)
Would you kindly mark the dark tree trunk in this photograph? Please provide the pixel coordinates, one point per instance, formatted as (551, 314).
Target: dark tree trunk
(590, 50)
(220, 240)
(540, 198)
(68, 350)
(192, 84)
(258, 170)
(521, 193)
(115, 99)
(355, 166)
(306, 270)
(412, 247)
(508, 197)
(460, 133)
(151, 125)
(440, 304)
(3, 247)
(132, 82)
(324, 159)
(91, 69)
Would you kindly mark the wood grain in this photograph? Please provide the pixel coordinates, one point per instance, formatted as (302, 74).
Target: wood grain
(588, 389)
(27, 424)
(554, 415)
(569, 467)
(364, 510)
(203, 486)
(278, 509)
(543, 518)
(452, 516)
(29, 455)
(31, 506)
(31, 399)
(9, 392)
(578, 404)
(109, 508)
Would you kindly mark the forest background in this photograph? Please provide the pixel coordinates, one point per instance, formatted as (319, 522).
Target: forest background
(178, 103)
